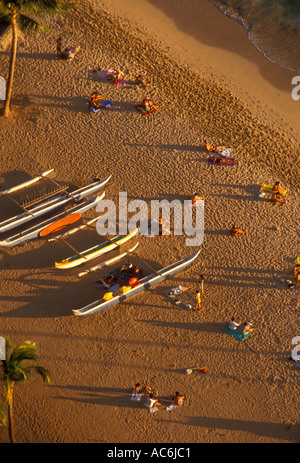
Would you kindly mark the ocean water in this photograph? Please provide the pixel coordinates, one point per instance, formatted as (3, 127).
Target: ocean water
(272, 25)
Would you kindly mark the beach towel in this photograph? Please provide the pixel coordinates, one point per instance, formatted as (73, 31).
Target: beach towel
(105, 73)
(172, 406)
(136, 397)
(233, 161)
(224, 152)
(106, 104)
(94, 110)
(119, 82)
(297, 261)
(236, 333)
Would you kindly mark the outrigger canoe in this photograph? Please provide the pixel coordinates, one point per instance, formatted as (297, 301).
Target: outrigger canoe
(95, 251)
(50, 205)
(33, 232)
(60, 224)
(25, 184)
(144, 283)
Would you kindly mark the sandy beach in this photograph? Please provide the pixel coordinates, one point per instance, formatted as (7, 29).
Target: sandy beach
(210, 82)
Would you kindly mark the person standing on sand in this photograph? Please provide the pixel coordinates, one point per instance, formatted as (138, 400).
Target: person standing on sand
(236, 231)
(198, 300)
(58, 46)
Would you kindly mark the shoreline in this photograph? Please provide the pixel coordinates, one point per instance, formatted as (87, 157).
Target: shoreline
(216, 47)
(250, 391)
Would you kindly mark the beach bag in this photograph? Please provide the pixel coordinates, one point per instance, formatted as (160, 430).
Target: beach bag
(124, 289)
(133, 281)
(108, 296)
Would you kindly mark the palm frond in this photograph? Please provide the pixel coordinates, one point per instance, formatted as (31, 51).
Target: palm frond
(24, 351)
(49, 6)
(45, 374)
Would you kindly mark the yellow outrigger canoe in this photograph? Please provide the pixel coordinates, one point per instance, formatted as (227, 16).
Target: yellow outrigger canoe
(98, 250)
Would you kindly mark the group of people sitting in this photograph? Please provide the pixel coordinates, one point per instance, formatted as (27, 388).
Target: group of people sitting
(146, 106)
(126, 275)
(96, 100)
(151, 401)
(244, 328)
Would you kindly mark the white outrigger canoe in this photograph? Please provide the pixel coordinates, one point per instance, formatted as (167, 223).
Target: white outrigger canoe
(25, 184)
(50, 205)
(34, 231)
(95, 251)
(144, 283)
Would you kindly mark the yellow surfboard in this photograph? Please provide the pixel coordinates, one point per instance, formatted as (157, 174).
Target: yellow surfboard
(268, 188)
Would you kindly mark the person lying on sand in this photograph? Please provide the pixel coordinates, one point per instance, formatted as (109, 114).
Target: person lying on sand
(276, 198)
(146, 106)
(95, 100)
(276, 187)
(115, 75)
(195, 197)
(236, 231)
(140, 80)
(178, 289)
(212, 148)
(297, 274)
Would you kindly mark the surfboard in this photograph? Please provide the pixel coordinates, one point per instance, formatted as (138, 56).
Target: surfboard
(268, 188)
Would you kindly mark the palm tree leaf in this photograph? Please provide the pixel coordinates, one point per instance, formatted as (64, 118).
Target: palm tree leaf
(51, 6)
(24, 351)
(45, 374)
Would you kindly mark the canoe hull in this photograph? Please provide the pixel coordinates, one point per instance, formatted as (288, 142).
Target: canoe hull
(144, 283)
